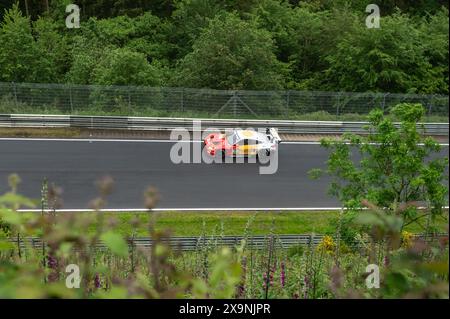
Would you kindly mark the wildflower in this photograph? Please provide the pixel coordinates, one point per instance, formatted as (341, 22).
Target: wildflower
(52, 262)
(283, 274)
(327, 245)
(306, 283)
(386, 261)
(268, 278)
(407, 239)
(97, 282)
(272, 271)
(241, 287)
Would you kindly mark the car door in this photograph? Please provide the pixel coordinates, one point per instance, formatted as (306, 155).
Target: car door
(241, 147)
(246, 147)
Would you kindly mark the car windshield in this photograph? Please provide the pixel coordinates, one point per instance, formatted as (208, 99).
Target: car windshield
(232, 138)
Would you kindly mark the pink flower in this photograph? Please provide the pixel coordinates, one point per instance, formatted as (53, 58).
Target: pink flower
(283, 274)
(97, 282)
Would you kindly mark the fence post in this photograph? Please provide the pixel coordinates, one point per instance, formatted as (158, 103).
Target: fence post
(182, 100)
(287, 102)
(234, 104)
(70, 96)
(338, 102)
(383, 105)
(15, 93)
(430, 105)
(129, 102)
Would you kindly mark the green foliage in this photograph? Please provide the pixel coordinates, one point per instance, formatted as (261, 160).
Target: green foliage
(396, 169)
(297, 250)
(392, 58)
(189, 19)
(231, 53)
(268, 44)
(125, 67)
(115, 242)
(18, 53)
(119, 51)
(123, 270)
(51, 50)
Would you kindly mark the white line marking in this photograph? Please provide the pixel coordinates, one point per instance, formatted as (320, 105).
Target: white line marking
(123, 210)
(143, 210)
(91, 140)
(145, 141)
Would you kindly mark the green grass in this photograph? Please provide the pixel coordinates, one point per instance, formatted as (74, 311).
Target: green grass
(7, 107)
(40, 132)
(234, 223)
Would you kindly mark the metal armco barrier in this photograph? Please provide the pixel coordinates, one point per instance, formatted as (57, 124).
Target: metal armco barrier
(194, 243)
(165, 124)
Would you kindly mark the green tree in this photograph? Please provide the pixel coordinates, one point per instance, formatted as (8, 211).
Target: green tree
(52, 52)
(232, 54)
(85, 54)
(189, 19)
(395, 166)
(17, 54)
(151, 37)
(125, 67)
(434, 31)
(387, 7)
(388, 59)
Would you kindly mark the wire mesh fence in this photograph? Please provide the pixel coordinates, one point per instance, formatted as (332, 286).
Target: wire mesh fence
(33, 98)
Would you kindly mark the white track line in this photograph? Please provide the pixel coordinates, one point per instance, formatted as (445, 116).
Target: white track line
(127, 140)
(92, 140)
(144, 141)
(143, 210)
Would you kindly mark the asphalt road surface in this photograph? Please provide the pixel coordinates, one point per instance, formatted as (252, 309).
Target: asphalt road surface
(134, 166)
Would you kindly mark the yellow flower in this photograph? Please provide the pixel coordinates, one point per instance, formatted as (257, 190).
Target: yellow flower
(407, 239)
(327, 245)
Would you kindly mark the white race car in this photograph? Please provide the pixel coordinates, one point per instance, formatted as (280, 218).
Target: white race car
(242, 143)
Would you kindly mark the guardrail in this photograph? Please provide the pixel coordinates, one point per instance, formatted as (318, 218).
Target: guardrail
(194, 243)
(164, 124)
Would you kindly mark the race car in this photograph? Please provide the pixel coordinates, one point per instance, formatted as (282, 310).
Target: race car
(242, 143)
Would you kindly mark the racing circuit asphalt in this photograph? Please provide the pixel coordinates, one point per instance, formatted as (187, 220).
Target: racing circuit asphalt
(76, 165)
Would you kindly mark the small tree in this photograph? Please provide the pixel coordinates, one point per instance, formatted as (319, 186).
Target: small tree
(393, 167)
(231, 54)
(17, 53)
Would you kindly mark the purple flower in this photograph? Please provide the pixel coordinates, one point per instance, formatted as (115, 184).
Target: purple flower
(268, 278)
(283, 274)
(306, 281)
(386, 261)
(97, 282)
(52, 262)
(241, 288)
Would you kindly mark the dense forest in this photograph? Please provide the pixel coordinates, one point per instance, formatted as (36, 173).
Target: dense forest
(235, 44)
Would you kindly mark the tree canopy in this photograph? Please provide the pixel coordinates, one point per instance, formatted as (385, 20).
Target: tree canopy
(265, 44)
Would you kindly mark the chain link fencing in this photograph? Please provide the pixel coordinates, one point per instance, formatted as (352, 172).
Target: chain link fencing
(33, 98)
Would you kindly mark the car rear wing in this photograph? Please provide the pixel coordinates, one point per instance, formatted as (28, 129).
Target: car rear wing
(272, 133)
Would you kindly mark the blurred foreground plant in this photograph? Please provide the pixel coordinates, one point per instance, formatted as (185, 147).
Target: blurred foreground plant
(32, 270)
